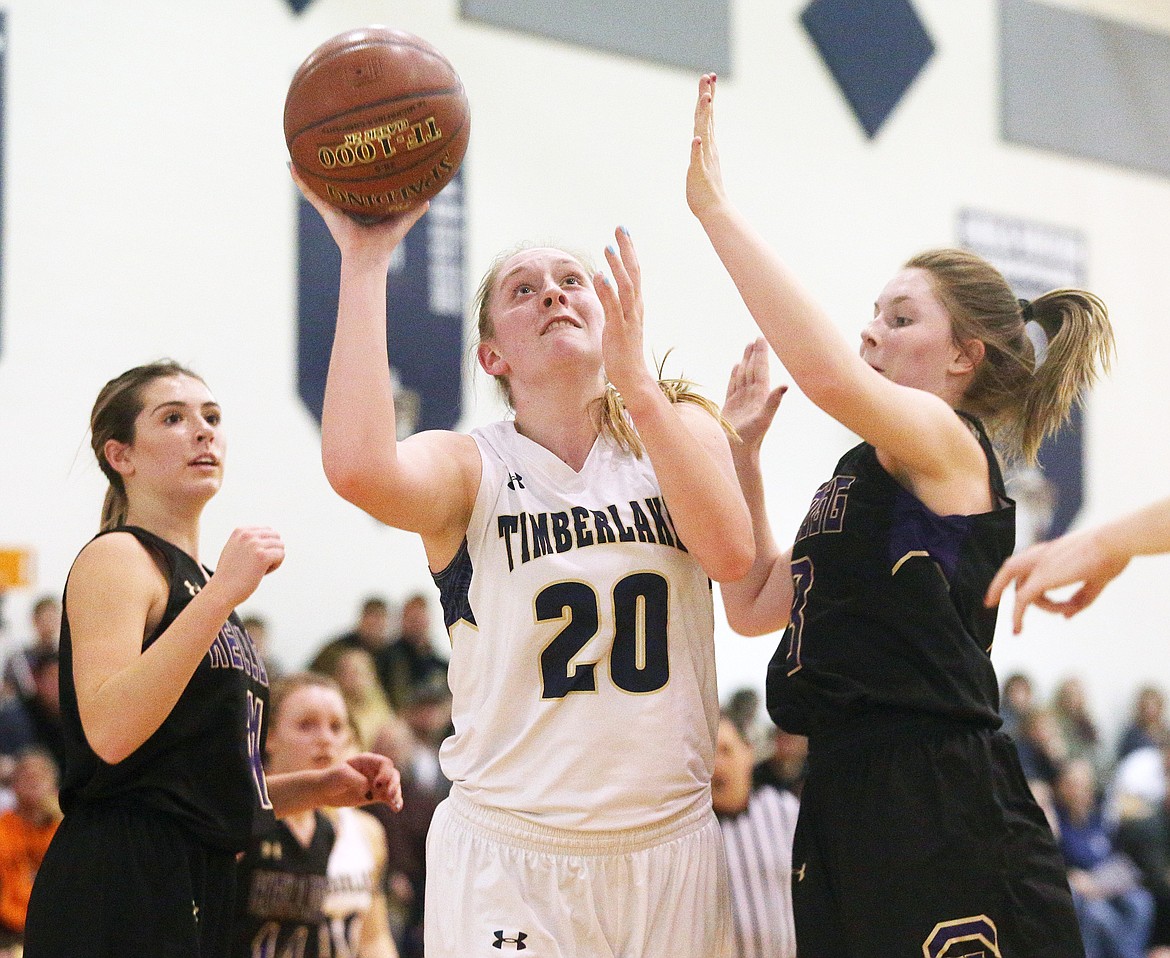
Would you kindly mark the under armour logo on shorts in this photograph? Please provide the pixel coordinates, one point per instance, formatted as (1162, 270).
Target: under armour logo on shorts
(518, 941)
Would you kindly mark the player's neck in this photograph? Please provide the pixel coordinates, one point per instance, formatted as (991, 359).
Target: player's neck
(564, 421)
(179, 529)
(303, 826)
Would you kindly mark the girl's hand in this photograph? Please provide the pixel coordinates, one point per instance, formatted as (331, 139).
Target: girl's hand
(362, 779)
(704, 178)
(1079, 557)
(621, 342)
(751, 403)
(249, 555)
(375, 240)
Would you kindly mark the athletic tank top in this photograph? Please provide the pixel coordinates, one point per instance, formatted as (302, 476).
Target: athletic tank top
(887, 613)
(305, 902)
(202, 765)
(582, 663)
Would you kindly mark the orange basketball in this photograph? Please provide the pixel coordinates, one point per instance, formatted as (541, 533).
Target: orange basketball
(376, 121)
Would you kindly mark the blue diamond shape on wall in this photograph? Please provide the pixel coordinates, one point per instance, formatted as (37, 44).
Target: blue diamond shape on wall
(873, 48)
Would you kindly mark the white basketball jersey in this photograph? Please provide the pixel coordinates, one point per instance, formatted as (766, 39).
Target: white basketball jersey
(350, 870)
(583, 663)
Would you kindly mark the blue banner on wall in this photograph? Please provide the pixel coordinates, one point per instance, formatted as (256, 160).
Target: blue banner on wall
(424, 313)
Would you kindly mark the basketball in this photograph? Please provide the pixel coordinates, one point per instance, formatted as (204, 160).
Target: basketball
(376, 121)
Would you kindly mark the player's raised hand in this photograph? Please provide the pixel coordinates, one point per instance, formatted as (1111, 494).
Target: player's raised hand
(704, 177)
(751, 401)
(621, 341)
(355, 239)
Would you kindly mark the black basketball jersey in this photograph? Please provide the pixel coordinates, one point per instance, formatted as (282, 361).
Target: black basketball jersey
(887, 614)
(305, 901)
(203, 764)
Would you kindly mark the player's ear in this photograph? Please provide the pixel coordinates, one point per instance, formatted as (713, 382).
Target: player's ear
(118, 456)
(968, 355)
(491, 361)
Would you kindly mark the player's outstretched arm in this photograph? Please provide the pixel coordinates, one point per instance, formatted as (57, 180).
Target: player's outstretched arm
(761, 601)
(687, 446)
(915, 428)
(1091, 557)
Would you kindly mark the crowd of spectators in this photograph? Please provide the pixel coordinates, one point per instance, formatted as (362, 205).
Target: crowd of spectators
(1109, 808)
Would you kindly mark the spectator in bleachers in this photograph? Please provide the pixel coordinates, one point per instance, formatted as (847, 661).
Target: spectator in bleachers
(1016, 700)
(758, 823)
(18, 670)
(406, 836)
(1114, 910)
(1078, 728)
(371, 632)
(25, 832)
(1143, 833)
(257, 628)
(1041, 746)
(355, 672)
(34, 717)
(428, 714)
(743, 708)
(410, 660)
(1147, 726)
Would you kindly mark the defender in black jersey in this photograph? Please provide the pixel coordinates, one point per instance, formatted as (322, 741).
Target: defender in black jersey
(917, 834)
(162, 698)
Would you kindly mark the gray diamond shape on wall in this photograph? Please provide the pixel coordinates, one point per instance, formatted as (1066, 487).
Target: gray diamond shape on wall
(873, 48)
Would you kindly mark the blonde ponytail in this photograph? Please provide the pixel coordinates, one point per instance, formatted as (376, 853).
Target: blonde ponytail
(1080, 348)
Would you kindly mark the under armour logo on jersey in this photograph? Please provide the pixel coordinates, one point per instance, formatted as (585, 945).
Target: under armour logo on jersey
(515, 480)
(517, 942)
(271, 850)
(193, 589)
(799, 872)
(195, 911)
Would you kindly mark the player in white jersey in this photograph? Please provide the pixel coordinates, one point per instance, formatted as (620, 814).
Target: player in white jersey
(574, 547)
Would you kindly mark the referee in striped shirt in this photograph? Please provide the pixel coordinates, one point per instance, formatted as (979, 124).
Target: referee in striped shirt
(758, 824)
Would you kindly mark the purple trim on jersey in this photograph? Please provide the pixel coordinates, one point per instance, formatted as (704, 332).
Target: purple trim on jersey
(914, 527)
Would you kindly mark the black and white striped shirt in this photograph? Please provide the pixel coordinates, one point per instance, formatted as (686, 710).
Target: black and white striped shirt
(759, 860)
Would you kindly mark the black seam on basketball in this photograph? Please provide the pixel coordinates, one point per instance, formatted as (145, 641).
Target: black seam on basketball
(310, 69)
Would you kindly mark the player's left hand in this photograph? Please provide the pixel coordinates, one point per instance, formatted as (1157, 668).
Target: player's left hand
(751, 401)
(621, 341)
